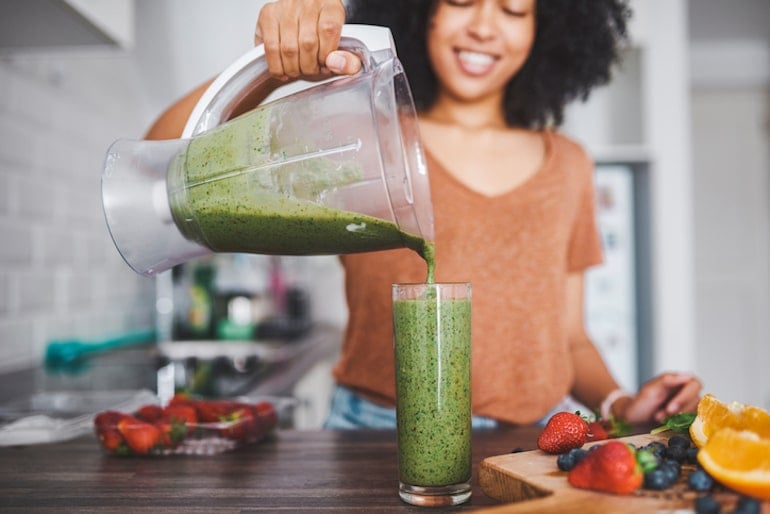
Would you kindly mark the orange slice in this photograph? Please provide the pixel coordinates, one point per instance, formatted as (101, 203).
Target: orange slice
(714, 415)
(740, 460)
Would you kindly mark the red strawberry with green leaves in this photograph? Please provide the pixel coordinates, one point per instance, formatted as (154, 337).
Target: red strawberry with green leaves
(563, 432)
(239, 422)
(172, 432)
(139, 435)
(611, 468)
(600, 430)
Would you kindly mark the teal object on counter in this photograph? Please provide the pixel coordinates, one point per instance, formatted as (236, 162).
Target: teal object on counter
(61, 354)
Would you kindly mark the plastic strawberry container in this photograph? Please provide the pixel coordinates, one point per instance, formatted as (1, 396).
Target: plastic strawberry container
(185, 426)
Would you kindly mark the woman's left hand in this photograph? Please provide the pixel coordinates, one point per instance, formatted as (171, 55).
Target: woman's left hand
(663, 396)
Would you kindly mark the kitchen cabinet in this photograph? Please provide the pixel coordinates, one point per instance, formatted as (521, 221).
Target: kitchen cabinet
(28, 24)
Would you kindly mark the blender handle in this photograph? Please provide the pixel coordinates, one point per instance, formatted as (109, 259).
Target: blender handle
(242, 79)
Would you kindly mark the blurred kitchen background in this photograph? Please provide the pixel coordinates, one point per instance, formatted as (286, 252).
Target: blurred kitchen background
(681, 138)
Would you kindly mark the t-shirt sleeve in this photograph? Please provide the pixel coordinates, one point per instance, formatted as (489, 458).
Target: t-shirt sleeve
(585, 248)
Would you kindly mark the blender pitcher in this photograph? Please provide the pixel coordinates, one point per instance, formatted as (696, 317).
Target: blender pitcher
(334, 167)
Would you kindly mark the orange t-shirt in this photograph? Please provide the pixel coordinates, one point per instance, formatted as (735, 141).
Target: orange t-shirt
(516, 249)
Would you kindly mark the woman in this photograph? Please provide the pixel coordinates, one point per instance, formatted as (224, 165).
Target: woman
(513, 198)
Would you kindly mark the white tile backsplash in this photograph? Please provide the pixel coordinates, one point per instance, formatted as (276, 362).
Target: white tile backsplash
(36, 198)
(17, 342)
(60, 275)
(5, 195)
(18, 143)
(4, 294)
(16, 247)
(37, 291)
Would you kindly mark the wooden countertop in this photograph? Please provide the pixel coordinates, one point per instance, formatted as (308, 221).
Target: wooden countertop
(292, 471)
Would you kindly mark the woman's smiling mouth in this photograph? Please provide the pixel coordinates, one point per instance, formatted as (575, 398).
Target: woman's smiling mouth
(475, 63)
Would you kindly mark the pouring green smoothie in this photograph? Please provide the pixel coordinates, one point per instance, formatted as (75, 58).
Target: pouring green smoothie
(231, 192)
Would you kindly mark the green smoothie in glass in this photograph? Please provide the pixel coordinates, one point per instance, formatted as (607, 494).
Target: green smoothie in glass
(432, 328)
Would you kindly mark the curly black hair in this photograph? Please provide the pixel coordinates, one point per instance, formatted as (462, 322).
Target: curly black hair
(576, 44)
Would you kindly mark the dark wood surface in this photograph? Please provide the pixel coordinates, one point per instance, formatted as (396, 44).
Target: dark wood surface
(291, 471)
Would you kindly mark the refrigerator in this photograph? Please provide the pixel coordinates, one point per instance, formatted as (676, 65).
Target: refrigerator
(617, 292)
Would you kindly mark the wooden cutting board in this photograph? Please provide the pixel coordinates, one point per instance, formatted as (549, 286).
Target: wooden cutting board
(531, 482)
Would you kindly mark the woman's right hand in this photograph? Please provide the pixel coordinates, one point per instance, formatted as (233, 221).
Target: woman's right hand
(301, 38)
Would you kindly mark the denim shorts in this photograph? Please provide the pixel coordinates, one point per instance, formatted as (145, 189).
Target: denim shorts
(349, 410)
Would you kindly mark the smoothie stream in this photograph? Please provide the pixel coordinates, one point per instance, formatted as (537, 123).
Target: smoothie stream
(232, 192)
(432, 358)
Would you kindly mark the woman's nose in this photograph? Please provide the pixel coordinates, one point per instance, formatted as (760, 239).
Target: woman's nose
(483, 24)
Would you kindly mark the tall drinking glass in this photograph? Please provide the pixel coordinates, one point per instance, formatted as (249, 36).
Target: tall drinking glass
(432, 344)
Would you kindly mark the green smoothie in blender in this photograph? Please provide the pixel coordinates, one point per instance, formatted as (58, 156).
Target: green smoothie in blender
(231, 192)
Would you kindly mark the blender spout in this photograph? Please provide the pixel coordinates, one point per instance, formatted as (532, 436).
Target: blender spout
(136, 206)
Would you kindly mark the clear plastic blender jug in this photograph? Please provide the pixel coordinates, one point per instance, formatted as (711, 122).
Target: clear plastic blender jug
(333, 168)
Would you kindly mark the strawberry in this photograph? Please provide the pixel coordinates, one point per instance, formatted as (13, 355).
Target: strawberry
(106, 426)
(611, 468)
(149, 413)
(607, 428)
(181, 399)
(563, 432)
(139, 435)
(267, 414)
(241, 424)
(213, 411)
(181, 412)
(171, 432)
(597, 431)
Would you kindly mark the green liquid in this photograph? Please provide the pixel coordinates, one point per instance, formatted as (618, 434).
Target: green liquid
(230, 192)
(433, 390)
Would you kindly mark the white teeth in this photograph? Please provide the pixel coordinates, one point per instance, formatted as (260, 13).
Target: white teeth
(476, 58)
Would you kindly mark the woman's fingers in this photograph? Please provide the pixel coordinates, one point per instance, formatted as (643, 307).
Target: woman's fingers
(686, 398)
(268, 34)
(329, 27)
(299, 36)
(343, 63)
(663, 396)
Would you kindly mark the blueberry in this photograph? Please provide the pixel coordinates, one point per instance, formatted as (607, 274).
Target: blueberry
(672, 470)
(701, 481)
(675, 465)
(579, 454)
(658, 480)
(568, 460)
(679, 441)
(676, 453)
(747, 505)
(565, 461)
(692, 455)
(657, 447)
(707, 505)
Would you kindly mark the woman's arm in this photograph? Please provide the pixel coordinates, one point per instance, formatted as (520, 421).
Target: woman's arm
(593, 380)
(170, 124)
(661, 396)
